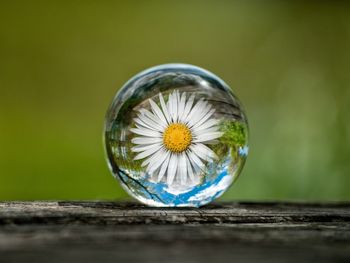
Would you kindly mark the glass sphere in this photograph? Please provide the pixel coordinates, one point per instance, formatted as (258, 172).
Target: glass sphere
(176, 135)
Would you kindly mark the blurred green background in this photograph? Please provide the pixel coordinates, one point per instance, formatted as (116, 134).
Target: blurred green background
(63, 61)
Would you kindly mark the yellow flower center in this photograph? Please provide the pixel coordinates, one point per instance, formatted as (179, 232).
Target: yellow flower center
(177, 137)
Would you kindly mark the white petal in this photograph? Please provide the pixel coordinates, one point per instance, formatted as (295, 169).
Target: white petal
(174, 105)
(151, 117)
(161, 156)
(148, 152)
(146, 161)
(170, 106)
(199, 106)
(207, 116)
(187, 109)
(183, 168)
(158, 111)
(204, 152)
(144, 147)
(181, 106)
(178, 97)
(189, 169)
(199, 115)
(144, 124)
(145, 140)
(208, 136)
(150, 123)
(207, 124)
(164, 167)
(150, 159)
(201, 132)
(164, 108)
(172, 168)
(195, 160)
(146, 132)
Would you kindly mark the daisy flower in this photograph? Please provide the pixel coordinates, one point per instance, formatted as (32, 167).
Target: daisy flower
(171, 138)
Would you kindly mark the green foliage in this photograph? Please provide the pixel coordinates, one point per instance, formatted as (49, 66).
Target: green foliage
(235, 133)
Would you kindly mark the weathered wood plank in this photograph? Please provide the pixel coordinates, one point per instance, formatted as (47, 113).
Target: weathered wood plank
(130, 213)
(110, 232)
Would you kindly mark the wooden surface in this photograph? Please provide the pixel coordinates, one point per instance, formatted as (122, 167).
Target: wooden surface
(128, 232)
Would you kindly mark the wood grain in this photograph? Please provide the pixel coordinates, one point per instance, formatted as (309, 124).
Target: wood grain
(92, 231)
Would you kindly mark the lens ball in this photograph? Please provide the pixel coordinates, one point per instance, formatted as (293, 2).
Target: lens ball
(176, 135)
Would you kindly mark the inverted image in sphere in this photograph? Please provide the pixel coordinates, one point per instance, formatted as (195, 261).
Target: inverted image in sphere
(176, 135)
